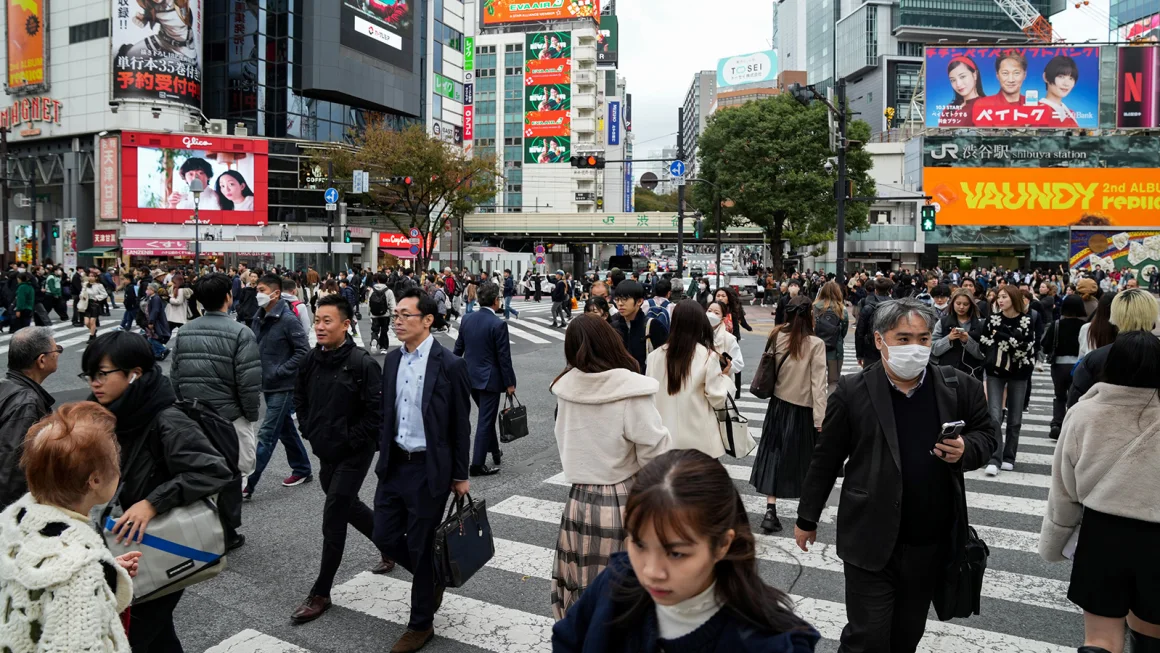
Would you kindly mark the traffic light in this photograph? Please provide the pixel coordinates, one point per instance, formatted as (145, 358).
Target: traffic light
(697, 225)
(346, 235)
(405, 181)
(590, 162)
(928, 213)
(55, 231)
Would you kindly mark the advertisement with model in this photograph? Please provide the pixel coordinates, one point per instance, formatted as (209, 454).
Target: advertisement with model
(26, 23)
(158, 169)
(498, 12)
(547, 97)
(157, 51)
(1033, 87)
(382, 29)
(608, 40)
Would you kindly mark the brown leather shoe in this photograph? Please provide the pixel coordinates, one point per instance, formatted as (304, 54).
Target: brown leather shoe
(413, 640)
(311, 609)
(385, 566)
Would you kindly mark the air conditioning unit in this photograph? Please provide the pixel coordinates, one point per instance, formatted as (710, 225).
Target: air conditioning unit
(192, 128)
(240, 129)
(217, 127)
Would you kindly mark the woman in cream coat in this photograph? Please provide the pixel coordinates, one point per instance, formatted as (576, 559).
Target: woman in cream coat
(177, 310)
(607, 428)
(694, 381)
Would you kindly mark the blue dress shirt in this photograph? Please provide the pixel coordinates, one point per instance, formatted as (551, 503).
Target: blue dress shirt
(409, 433)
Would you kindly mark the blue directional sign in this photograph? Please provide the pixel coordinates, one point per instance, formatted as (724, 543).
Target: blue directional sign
(677, 168)
(331, 196)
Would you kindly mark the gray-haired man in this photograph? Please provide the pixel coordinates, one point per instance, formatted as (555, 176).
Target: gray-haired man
(32, 357)
(903, 505)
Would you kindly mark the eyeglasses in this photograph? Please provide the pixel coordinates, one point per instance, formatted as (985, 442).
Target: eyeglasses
(59, 350)
(405, 316)
(100, 377)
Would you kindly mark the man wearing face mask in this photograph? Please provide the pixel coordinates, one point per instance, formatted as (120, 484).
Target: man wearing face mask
(903, 505)
(282, 346)
(940, 299)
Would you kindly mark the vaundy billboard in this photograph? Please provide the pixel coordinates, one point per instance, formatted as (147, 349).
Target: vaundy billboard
(26, 21)
(1028, 87)
(157, 170)
(157, 50)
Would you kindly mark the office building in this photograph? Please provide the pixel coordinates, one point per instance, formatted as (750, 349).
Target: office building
(698, 106)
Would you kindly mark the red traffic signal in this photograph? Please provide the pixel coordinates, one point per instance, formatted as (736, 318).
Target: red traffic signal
(406, 181)
(591, 162)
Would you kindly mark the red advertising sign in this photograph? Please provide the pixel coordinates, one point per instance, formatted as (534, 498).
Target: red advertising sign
(548, 71)
(547, 123)
(105, 238)
(110, 175)
(158, 168)
(397, 241)
(468, 122)
(155, 247)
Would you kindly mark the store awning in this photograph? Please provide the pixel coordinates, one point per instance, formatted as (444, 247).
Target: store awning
(398, 252)
(97, 251)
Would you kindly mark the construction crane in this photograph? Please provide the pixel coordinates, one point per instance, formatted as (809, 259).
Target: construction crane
(1028, 18)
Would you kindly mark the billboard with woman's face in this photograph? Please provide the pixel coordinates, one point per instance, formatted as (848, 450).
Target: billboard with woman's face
(160, 171)
(1029, 87)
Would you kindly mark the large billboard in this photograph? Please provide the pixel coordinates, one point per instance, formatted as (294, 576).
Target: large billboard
(547, 97)
(747, 69)
(608, 40)
(1110, 249)
(1138, 87)
(26, 22)
(498, 12)
(1146, 30)
(157, 170)
(1028, 87)
(157, 51)
(382, 29)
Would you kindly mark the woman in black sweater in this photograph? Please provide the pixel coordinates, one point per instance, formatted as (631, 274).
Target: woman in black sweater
(1061, 346)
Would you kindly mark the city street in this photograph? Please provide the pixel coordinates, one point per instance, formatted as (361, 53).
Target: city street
(505, 607)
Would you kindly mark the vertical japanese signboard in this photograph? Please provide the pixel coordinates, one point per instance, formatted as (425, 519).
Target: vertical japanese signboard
(110, 175)
(157, 51)
(26, 22)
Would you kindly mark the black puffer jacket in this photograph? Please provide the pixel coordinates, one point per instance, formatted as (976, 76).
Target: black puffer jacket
(282, 345)
(176, 465)
(215, 359)
(22, 403)
(338, 399)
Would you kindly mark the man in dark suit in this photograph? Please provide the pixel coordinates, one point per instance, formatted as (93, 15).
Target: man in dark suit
(484, 343)
(903, 503)
(423, 453)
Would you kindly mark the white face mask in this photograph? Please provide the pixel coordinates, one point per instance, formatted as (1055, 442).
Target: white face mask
(907, 361)
(714, 319)
(20, 269)
(263, 300)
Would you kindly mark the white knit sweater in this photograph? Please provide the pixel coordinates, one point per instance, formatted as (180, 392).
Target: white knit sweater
(56, 584)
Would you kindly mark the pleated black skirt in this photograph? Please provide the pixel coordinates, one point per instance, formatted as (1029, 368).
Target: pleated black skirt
(783, 455)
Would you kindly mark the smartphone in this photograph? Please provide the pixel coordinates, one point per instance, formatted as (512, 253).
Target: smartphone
(725, 360)
(951, 430)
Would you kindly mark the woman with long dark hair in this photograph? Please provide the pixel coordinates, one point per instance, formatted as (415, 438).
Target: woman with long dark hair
(795, 413)
(1099, 331)
(1061, 343)
(736, 321)
(694, 380)
(689, 581)
(968, 87)
(955, 340)
(607, 428)
(832, 324)
(1009, 349)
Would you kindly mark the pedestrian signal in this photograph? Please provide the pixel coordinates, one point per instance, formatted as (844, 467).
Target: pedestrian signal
(928, 213)
(55, 231)
(346, 235)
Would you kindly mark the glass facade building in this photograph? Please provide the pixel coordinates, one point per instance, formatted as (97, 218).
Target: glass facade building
(959, 15)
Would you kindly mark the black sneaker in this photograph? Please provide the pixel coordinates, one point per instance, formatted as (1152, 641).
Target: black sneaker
(236, 542)
(771, 524)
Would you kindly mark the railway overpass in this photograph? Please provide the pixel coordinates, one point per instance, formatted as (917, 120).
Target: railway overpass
(576, 228)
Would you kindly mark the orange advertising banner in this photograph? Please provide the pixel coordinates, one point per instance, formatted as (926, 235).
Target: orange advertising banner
(25, 21)
(547, 123)
(547, 71)
(1045, 197)
(497, 12)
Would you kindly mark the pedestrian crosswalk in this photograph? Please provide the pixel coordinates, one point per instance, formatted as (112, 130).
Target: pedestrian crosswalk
(1024, 607)
(531, 329)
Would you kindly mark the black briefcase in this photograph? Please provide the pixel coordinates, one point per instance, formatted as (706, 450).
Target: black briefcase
(463, 542)
(513, 420)
(960, 594)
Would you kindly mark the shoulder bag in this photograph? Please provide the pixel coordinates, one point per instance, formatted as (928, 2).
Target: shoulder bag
(463, 542)
(513, 420)
(182, 547)
(765, 378)
(734, 430)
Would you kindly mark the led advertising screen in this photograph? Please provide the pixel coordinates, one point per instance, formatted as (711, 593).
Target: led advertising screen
(26, 24)
(1138, 91)
(1029, 87)
(498, 12)
(547, 97)
(608, 40)
(158, 169)
(549, 149)
(157, 51)
(382, 29)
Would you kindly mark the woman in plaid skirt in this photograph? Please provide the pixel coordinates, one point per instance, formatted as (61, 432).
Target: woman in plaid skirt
(607, 428)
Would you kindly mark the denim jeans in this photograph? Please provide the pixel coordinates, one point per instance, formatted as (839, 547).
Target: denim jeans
(1016, 388)
(508, 311)
(470, 307)
(278, 425)
(129, 319)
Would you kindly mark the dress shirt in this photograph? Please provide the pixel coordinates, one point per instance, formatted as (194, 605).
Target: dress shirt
(409, 433)
(908, 395)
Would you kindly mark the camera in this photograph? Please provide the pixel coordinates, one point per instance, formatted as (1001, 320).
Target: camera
(828, 166)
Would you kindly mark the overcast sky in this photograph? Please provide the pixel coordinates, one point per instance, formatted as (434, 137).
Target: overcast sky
(664, 42)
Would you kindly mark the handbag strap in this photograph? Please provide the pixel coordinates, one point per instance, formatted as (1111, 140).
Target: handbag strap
(457, 503)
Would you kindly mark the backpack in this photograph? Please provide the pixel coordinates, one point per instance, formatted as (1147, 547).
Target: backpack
(378, 303)
(294, 307)
(827, 326)
(658, 311)
(868, 314)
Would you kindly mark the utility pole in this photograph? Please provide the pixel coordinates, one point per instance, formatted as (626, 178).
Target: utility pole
(330, 218)
(32, 192)
(840, 266)
(4, 190)
(681, 196)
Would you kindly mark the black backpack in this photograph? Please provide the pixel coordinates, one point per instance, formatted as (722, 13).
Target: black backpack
(827, 326)
(378, 303)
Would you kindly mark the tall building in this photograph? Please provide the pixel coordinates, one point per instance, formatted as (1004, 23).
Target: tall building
(1127, 18)
(789, 34)
(699, 100)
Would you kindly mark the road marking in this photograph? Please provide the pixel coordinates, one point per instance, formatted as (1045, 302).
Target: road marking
(1005, 586)
(56, 326)
(85, 337)
(531, 323)
(252, 641)
(519, 333)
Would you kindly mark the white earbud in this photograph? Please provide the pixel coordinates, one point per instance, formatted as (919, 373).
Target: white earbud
(132, 378)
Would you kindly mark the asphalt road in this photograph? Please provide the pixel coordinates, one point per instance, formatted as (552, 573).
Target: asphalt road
(505, 607)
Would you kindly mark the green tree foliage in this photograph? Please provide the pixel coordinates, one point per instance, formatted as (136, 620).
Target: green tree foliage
(768, 157)
(445, 185)
(646, 200)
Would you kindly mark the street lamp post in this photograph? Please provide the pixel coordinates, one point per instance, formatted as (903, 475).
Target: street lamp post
(804, 94)
(197, 188)
(717, 204)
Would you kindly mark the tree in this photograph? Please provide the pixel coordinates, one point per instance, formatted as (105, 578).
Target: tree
(444, 185)
(646, 200)
(768, 157)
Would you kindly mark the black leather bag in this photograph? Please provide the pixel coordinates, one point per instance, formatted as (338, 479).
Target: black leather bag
(513, 420)
(463, 542)
(962, 587)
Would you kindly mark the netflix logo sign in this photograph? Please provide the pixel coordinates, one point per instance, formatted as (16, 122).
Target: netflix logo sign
(1138, 88)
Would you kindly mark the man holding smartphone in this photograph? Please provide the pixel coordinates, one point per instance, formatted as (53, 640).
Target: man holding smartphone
(903, 505)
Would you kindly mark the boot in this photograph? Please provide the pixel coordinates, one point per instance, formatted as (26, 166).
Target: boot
(1143, 643)
(771, 524)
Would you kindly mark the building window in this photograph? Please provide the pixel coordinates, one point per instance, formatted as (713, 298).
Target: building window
(97, 29)
(514, 71)
(513, 47)
(871, 34)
